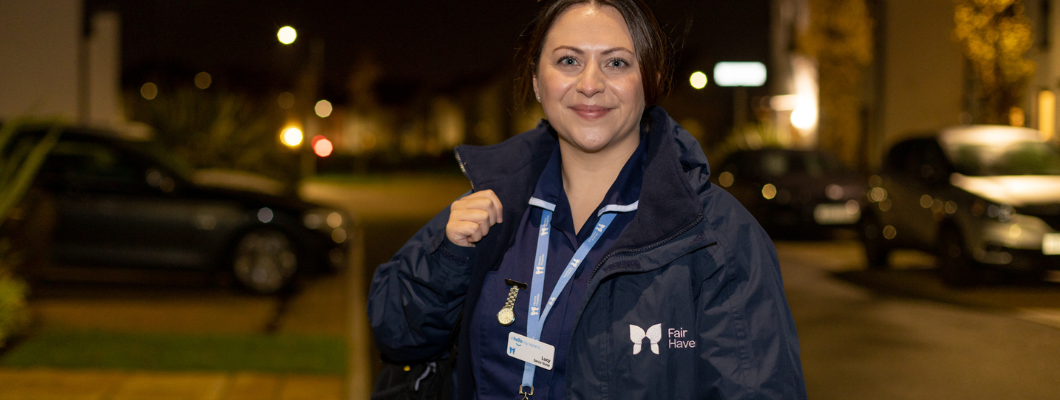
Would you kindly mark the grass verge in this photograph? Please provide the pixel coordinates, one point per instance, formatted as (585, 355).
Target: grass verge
(171, 352)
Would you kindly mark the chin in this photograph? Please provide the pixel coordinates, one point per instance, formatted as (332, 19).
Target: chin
(591, 142)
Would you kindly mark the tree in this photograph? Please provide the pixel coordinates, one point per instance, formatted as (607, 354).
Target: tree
(217, 129)
(839, 38)
(995, 35)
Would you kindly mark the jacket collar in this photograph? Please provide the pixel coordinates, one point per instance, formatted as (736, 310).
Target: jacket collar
(675, 172)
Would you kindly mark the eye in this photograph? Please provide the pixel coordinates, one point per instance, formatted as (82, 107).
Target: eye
(567, 60)
(617, 63)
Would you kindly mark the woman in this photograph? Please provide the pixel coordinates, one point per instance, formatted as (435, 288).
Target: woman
(593, 259)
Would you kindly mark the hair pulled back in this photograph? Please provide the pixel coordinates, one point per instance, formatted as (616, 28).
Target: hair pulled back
(654, 53)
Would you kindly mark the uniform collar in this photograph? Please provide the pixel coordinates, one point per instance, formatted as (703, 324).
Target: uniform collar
(623, 195)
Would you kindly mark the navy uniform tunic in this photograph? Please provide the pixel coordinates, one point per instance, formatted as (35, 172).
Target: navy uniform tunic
(499, 376)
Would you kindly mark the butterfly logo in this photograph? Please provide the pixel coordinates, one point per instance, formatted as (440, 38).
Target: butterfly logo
(637, 335)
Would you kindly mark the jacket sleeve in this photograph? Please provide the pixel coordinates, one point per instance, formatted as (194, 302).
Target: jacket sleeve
(744, 312)
(416, 297)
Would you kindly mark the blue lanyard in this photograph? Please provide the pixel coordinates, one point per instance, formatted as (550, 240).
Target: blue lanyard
(536, 316)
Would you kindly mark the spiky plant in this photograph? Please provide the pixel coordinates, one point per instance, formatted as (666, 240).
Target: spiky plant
(20, 158)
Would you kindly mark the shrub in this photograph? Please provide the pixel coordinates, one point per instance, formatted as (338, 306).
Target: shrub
(14, 312)
(20, 158)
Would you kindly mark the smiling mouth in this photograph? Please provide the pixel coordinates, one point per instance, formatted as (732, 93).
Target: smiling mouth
(590, 112)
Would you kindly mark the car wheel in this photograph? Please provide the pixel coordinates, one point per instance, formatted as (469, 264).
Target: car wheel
(265, 261)
(955, 265)
(877, 250)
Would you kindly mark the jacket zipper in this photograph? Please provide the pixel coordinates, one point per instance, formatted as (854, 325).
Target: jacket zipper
(460, 162)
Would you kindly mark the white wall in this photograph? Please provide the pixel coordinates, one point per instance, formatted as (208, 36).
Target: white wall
(39, 60)
(1046, 59)
(104, 70)
(921, 68)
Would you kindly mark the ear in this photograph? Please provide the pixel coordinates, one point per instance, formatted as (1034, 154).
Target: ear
(537, 93)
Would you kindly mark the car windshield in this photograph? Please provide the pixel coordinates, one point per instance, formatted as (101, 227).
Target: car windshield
(810, 163)
(1016, 158)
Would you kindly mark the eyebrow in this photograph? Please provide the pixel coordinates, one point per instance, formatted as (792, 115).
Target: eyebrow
(605, 52)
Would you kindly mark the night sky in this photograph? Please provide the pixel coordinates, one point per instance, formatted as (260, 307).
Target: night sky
(431, 43)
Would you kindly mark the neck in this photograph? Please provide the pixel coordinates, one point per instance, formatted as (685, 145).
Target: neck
(588, 176)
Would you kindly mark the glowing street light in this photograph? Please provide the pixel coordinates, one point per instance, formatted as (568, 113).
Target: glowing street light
(292, 136)
(698, 80)
(804, 117)
(746, 74)
(323, 108)
(287, 35)
(149, 90)
(739, 75)
(322, 147)
(203, 80)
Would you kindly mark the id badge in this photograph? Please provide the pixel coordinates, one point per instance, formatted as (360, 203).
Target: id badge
(529, 350)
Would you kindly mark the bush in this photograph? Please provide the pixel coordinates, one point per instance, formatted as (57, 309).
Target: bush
(14, 312)
(20, 159)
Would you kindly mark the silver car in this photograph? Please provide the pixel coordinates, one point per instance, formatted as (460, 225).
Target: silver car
(980, 198)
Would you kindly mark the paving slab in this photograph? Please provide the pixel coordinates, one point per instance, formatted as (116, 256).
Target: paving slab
(47, 384)
(253, 386)
(171, 386)
(54, 384)
(226, 314)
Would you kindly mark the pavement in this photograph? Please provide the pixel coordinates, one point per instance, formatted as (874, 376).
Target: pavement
(332, 306)
(48, 384)
(316, 310)
(390, 210)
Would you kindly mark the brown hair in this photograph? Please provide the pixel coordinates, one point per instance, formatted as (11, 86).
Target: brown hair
(654, 53)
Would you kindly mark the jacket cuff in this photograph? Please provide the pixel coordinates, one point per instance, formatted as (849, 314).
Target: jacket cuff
(456, 254)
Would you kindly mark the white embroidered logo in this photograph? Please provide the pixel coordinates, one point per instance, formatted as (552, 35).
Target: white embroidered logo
(637, 335)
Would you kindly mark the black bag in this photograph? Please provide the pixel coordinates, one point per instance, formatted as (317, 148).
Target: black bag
(420, 381)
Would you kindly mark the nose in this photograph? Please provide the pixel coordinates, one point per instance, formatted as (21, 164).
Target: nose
(591, 80)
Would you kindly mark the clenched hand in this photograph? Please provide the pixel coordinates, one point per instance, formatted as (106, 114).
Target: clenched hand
(471, 217)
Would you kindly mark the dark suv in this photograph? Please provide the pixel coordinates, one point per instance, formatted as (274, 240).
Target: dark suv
(978, 197)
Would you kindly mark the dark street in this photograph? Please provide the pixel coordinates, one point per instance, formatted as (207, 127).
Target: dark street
(861, 330)
(195, 197)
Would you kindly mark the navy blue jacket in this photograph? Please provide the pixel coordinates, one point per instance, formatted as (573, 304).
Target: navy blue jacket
(688, 303)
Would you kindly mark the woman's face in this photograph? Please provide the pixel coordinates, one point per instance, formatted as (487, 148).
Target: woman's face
(588, 80)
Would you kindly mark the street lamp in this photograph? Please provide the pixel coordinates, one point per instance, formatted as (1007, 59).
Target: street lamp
(698, 80)
(291, 137)
(300, 108)
(287, 35)
(322, 147)
(740, 75)
(323, 108)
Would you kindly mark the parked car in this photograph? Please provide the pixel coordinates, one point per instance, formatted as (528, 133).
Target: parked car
(977, 197)
(793, 189)
(121, 201)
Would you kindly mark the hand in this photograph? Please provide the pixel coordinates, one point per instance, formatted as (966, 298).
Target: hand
(471, 217)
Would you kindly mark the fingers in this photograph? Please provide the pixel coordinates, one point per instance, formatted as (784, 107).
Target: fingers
(485, 200)
(471, 217)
